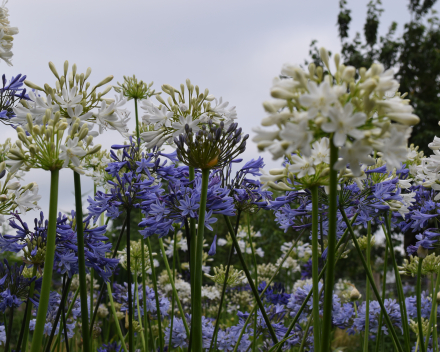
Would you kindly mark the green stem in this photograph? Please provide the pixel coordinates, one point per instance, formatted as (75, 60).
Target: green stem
(48, 265)
(196, 319)
(9, 334)
(398, 284)
(144, 291)
(370, 277)
(315, 268)
(174, 281)
(254, 259)
(115, 317)
(384, 281)
(81, 264)
(331, 253)
(136, 288)
(28, 312)
(130, 294)
(225, 284)
(72, 303)
(250, 281)
(156, 293)
(419, 305)
(367, 298)
(434, 313)
(175, 293)
(306, 332)
(192, 257)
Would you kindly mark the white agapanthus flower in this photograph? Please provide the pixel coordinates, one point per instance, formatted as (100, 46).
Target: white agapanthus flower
(358, 111)
(6, 33)
(27, 200)
(71, 152)
(163, 122)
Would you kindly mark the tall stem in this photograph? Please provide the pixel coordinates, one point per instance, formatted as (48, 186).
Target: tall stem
(331, 253)
(250, 281)
(144, 291)
(136, 290)
(175, 293)
(81, 263)
(115, 317)
(192, 257)
(400, 294)
(225, 284)
(130, 294)
(384, 281)
(9, 334)
(48, 266)
(197, 343)
(156, 294)
(367, 296)
(373, 285)
(173, 299)
(419, 305)
(24, 342)
(315, 268)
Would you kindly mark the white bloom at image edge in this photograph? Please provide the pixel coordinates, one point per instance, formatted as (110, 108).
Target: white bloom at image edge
(71, 152)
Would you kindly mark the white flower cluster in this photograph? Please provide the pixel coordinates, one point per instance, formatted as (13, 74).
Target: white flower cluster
(6, 33)
(245, 244)
(168, 119)
(74, 101)
(359, 115)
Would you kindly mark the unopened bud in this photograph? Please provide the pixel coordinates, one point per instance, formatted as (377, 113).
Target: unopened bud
(422, 252)
(36, 130)
(53, 69)
(33, 85)
(438, 297)
(104, 81)
(323, 53)
(355, 294)
(13, 186)
(95, 149)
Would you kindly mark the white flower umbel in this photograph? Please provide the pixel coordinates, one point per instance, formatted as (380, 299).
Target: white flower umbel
(71, 152)
(6, 34)
(184, 106)
(74, 98)
(350, 107)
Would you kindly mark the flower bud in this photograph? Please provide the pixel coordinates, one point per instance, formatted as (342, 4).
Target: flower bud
(2, 166)
(95, 149)
(422, 252)
(281, 186)
(438, 298)
(33, 149)
(337, 59)
(104, 81)
(53, 69)
(348, 74)
(33, 85)
(355, 294)
(23, 138)
(83, 133)
(62, 126)
(13, 186)
(36, 130)
(323, 53)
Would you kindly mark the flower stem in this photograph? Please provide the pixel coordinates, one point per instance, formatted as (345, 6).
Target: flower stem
(315, 268)
(370, 277)
(250, 281)
(8, 336)
(419, 304)
(196, 319)
(398, 283)
(173, 298)
(192, 255)
(175, 293)
(144, 293)
(81, 263)
(48, 266)
(136, 290)
(115, 317)
(101, 290)
(130, 294)
(331, 253)
(24, 342)
(156, 293)
(225, 284)
(367, 295)
(384, 281)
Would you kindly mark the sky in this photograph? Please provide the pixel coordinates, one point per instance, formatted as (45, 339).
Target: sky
(232, 47)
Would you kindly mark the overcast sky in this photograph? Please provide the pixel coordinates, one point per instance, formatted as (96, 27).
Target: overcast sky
(232, 47)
